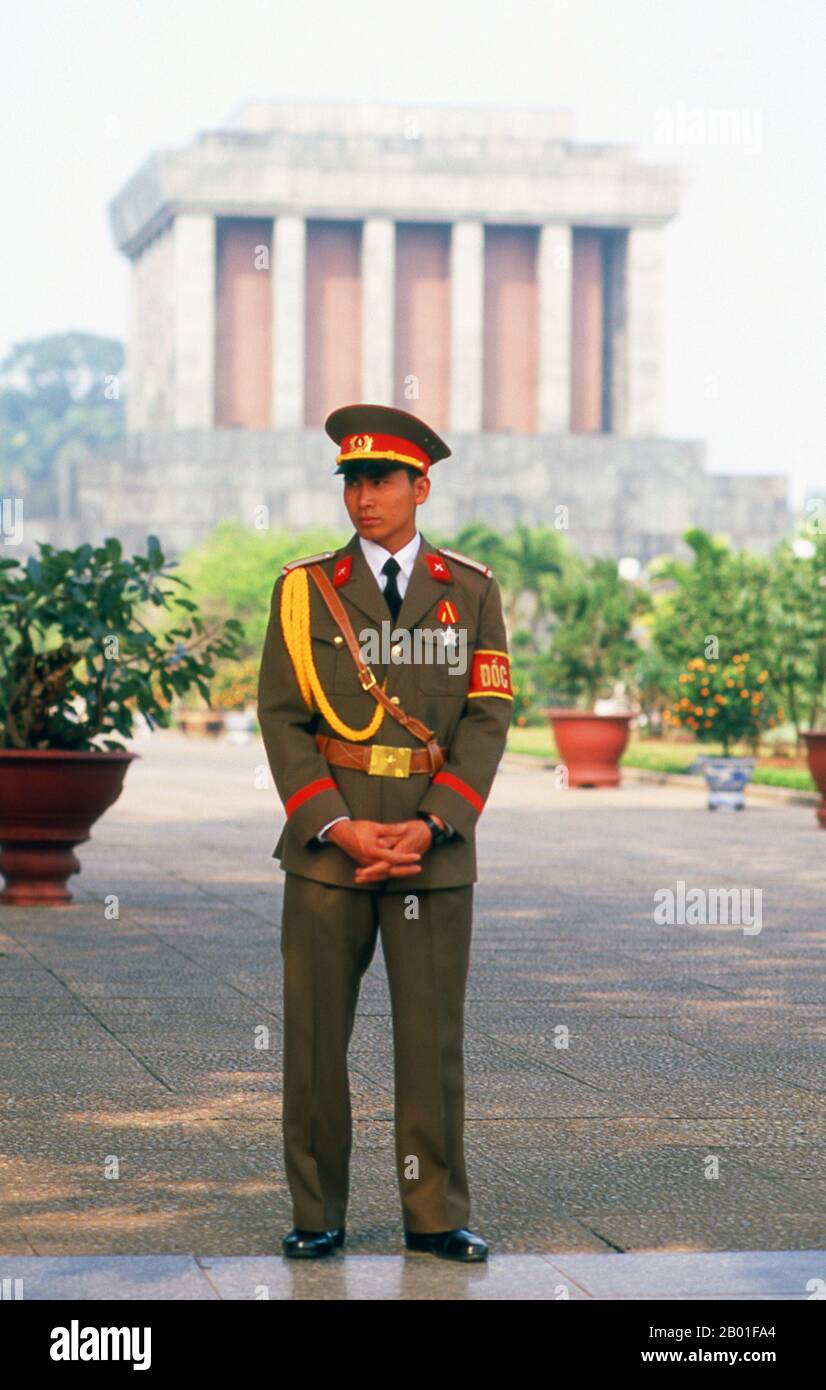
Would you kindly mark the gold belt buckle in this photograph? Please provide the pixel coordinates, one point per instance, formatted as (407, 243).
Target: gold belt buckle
(386, 761)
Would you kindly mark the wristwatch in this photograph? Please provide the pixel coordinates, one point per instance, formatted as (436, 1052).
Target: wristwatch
(440, 836)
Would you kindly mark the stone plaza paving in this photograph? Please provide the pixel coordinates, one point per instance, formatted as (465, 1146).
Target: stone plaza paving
(673, 1149)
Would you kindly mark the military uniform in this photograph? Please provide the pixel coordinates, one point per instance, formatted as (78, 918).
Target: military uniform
(330, 923)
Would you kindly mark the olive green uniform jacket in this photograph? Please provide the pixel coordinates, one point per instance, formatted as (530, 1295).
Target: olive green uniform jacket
(472, 726)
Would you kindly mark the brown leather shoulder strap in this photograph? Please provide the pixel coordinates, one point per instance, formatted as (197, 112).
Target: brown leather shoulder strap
(366, 677)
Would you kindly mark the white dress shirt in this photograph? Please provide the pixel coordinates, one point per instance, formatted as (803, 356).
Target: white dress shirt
(376, 556)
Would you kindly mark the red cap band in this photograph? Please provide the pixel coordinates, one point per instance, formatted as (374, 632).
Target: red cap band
(379, 446)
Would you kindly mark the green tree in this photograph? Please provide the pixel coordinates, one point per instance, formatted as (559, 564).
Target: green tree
(797, 624)
(718, 595)
(590, 646)
(231, 574)
(56, 393)
(521, 560)
(651, 679)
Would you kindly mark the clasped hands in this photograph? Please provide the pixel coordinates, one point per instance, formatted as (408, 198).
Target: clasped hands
(383, 850)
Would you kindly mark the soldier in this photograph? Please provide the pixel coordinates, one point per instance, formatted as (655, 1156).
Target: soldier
(384, 762)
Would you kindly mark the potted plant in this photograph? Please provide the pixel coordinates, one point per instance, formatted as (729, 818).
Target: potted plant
(799, 594)
(724, 703)
(590, 649)
(78, 664)
(816, 757)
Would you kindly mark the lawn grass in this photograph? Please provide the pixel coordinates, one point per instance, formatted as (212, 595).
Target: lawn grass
(661, 755)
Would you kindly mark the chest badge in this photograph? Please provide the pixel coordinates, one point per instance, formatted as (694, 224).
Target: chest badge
(448, 613)
(438, 568)
(341, 573)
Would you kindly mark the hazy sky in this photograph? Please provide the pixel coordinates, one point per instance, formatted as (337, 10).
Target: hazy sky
(88, 90)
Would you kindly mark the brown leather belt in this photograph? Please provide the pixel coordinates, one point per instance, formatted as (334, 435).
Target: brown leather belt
(379, 759)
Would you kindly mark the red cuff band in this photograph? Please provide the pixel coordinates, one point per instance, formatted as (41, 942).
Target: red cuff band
(456, 784)
(324, 784)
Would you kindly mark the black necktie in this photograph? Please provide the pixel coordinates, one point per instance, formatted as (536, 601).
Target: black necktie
(391, 568)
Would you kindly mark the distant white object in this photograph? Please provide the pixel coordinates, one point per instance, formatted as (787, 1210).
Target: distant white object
(239, 725)
(803, 549)
(618, 702)
(629, 567)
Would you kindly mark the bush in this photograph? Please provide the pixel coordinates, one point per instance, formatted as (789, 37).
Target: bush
(78, 658)
(724, 703)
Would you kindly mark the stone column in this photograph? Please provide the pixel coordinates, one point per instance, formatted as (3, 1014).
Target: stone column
(193, 282)
(136, 413)
(378, 288)
(288, 299)
(467, 306)
(643, 349)
(616, 252)
(554, 272)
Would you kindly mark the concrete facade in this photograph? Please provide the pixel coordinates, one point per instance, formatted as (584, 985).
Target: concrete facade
(382, 165)
(423, 251)
(608, 496)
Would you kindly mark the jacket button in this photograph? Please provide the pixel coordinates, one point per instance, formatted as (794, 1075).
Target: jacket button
(394, 699)
(338, 639)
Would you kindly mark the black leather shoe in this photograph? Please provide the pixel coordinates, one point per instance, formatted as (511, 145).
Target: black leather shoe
(311, 1245)
(460, 1244)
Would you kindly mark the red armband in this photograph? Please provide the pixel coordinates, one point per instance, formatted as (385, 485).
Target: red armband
(490, 674)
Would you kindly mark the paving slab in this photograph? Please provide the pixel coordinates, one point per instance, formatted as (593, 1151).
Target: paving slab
(556, 1277)
(134, 1039)
(131, 1277)
(734, 1274)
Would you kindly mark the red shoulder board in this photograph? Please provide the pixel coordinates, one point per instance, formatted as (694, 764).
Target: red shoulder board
(341, 573)
(466, 560)
(490, 674)
(438, 568)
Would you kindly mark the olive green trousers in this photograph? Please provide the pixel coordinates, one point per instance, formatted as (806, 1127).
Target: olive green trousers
(328, 938)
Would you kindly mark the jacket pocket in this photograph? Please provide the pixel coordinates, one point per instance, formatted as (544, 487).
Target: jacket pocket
(448, 670)
(334, 665)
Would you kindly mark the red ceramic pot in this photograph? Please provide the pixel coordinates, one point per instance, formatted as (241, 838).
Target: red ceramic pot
(816, 754)
(590, 745)
(49, 801)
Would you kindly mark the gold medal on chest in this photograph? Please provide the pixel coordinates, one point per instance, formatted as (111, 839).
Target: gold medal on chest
(447, 613)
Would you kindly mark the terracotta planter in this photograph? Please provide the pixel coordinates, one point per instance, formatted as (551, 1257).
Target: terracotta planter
(590, 745)
(49, 801)
(816, 754)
